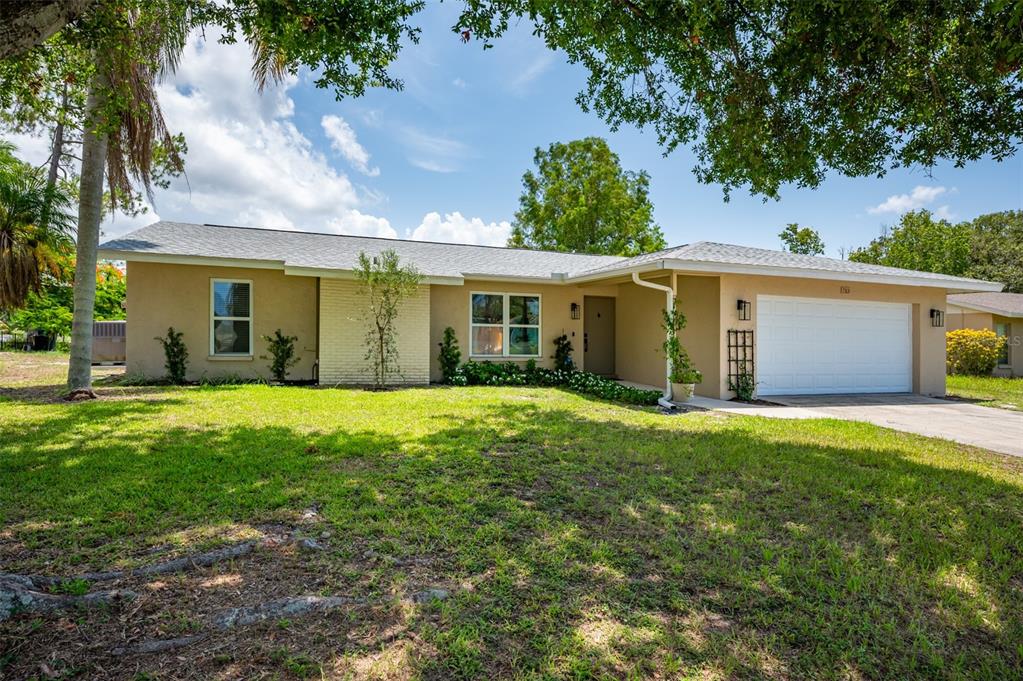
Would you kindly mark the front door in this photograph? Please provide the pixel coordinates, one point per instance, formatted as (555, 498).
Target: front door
(599, 335)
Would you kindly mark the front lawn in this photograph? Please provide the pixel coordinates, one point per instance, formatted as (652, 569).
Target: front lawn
(990, 391)
(576, 538)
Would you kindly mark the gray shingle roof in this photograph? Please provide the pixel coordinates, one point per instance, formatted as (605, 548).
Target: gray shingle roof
(1005, 304)
(338, 252)
(730, 254)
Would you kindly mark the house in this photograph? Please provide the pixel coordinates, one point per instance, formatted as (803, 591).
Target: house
(804, 324)
(999, 312)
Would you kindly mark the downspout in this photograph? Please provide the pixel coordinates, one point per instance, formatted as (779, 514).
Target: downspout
(669, 296)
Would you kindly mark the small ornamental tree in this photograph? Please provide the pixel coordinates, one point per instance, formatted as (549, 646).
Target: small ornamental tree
(175, 355)
(563, 353)
(450, 356)
(384, 283)
(282, 354)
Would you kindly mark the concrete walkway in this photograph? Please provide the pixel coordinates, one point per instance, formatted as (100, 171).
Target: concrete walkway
(999, 430)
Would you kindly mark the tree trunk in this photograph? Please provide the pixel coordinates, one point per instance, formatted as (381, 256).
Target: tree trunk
(56, 154)
(27, 23)
(90, 213)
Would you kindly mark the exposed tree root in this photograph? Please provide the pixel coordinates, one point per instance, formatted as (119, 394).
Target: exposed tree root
(18, 594)
(158, 645)
(279, 609)
(79, 394)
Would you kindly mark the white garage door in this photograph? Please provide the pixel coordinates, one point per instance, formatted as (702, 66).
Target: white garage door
(808, 346)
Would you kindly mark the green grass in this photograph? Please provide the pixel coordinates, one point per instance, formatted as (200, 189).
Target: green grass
(989, 391)
(583, 539)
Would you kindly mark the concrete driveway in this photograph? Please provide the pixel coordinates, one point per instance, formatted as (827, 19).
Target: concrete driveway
(996, 429)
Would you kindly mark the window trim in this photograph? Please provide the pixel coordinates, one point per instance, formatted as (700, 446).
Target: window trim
(506, 325)
(1007, 364)
(214, 318)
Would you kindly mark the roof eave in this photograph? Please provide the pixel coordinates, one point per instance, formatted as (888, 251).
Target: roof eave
(984, 308)
(707, 267)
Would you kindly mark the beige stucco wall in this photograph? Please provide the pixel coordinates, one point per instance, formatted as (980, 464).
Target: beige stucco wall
(161, 295)
(343, 329)
(960, 318)
(928, 341)
(449, 306)
(638, 353)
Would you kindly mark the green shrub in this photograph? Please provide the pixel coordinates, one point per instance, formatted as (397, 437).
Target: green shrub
(682, 369)
(563, 353)
(282, 354)
(744, 386)
(508, 373)
(175, 355)
(450, 356)
(972, 351)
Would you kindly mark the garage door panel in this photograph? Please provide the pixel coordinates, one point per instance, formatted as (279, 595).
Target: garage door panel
(821, 346)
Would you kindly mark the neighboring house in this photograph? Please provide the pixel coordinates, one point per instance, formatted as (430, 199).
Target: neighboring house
(812, 325)
(1000, 312)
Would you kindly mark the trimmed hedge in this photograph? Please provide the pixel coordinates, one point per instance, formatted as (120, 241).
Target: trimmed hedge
(972, 351)
(508, 373)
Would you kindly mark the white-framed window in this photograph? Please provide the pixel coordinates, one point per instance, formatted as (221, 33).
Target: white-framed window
(231, 317)
(504, 324)
(1002, 331)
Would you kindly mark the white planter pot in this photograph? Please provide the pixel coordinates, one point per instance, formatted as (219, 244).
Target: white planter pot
(682, 392)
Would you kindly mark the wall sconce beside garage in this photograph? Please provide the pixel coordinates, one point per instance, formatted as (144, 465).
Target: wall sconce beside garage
(745, 309)
(937, 317)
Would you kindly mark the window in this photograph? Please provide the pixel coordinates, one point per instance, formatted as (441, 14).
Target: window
(230, 317)
(504, 325)
(1002, 330)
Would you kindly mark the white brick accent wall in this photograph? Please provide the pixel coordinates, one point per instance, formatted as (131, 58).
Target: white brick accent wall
(343, 328)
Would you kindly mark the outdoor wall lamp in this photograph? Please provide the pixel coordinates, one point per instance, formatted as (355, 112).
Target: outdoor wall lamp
(575, 310)
(745, 310)
(937, 317)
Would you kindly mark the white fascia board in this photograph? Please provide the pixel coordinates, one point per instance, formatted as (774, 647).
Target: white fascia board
(328, 273)
(170, 259)
(797, 273)
(984, 308)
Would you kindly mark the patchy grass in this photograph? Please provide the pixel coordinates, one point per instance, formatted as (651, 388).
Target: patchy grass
(578, 539)
(989, 391)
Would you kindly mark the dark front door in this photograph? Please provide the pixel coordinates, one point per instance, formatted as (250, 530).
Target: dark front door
(599, 335)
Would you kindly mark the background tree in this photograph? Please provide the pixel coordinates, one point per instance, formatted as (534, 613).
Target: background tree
(384, 283)
(30, 243)
(922, 243)
(996, 249)
(804, 240)
(579, 200)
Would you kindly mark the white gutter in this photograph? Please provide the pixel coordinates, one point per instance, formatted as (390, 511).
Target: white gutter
(669, 295)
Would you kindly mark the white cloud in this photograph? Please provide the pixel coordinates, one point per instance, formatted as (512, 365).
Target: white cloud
(360, 224)
(435, 153)
(459, 83)
(920, 197)
(457, 229)
(343, 140)
(536, 68)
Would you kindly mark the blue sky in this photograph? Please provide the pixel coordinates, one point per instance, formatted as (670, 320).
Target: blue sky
(443, 159)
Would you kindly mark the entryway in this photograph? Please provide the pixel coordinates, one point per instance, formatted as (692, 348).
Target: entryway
(599, 335)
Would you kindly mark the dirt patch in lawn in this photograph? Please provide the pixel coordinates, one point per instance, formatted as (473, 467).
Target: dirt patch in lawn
(366, 636)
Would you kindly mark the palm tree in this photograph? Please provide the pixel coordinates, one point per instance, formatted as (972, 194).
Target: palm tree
(35, 228)
(138, 43)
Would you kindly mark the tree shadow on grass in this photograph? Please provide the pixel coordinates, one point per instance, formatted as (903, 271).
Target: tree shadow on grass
(582, 545)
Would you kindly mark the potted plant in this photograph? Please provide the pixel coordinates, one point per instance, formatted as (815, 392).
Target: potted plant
(684, 376)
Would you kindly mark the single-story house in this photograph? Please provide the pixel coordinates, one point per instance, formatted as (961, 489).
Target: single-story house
(803, 324)
(999, 312)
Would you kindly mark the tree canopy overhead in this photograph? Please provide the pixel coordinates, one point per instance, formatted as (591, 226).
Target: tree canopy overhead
(579, 199)
(769, 92)
(766, 92)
